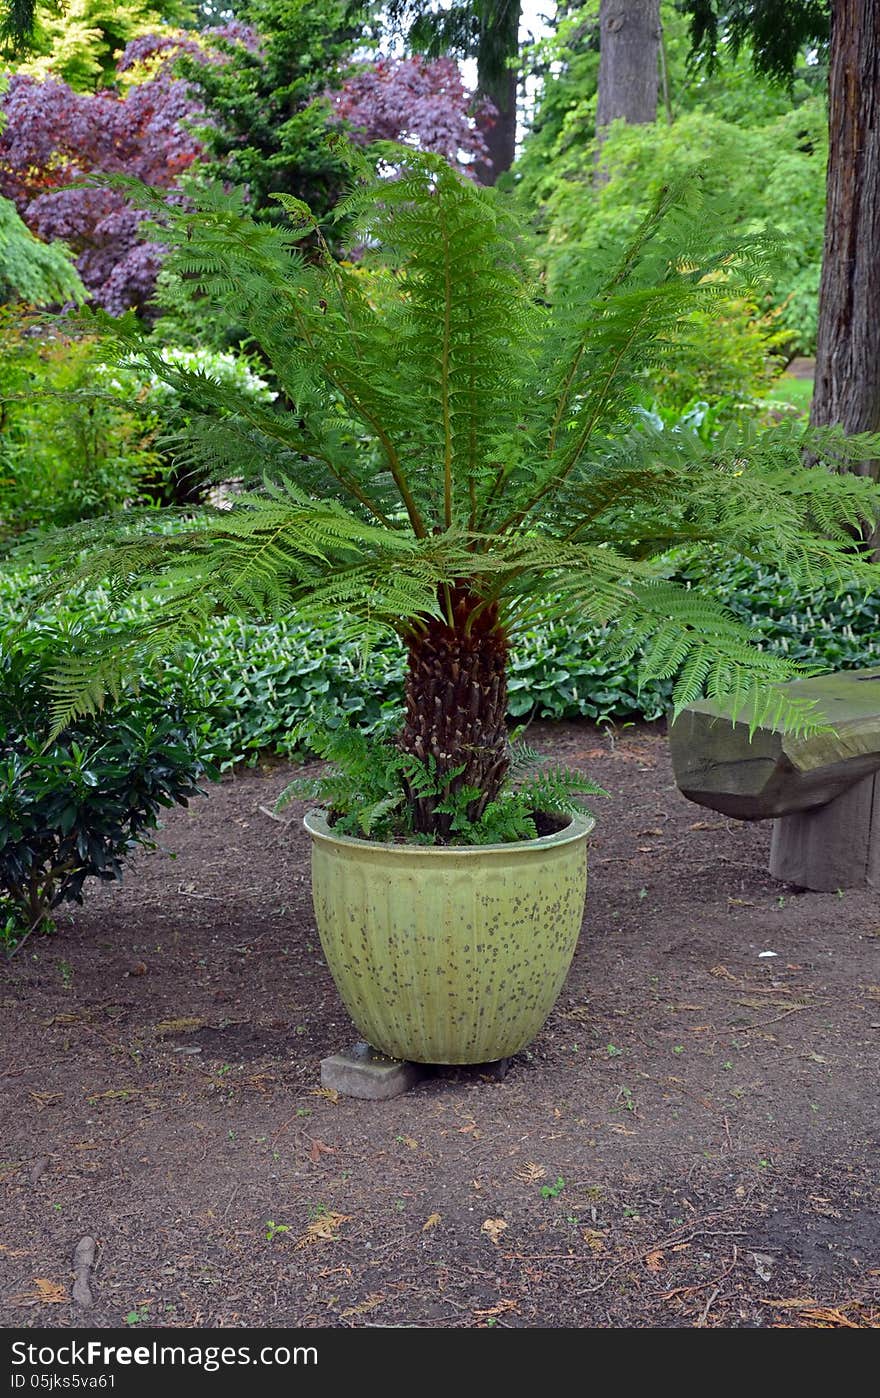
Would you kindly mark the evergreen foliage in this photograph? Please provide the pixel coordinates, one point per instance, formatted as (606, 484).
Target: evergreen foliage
(776, 31)
(269, 113)
(74, 804)
(41, 274)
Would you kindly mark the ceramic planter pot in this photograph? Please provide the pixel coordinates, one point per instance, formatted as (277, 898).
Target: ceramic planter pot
(449, 954)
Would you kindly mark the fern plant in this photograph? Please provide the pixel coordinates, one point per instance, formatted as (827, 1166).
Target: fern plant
(369, 778)
(450, 453)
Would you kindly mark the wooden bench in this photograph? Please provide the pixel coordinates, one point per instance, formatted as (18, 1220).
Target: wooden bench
(822, 792)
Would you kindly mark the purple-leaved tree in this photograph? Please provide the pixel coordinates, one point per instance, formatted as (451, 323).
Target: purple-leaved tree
(422, 101)
(52, 137)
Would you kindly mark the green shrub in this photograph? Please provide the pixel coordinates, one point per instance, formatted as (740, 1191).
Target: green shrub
(73, 808)
(62, 458)
(32, 271)
(768, 175)
(77, 441)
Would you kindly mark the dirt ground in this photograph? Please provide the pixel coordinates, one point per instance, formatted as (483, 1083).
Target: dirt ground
(691, 1141)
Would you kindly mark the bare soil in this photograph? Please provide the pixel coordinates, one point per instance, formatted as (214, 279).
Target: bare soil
(691, 1141)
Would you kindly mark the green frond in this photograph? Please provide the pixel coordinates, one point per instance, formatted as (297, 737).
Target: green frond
(438, 422)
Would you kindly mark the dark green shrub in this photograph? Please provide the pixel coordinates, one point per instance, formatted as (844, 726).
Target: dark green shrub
(73, 807)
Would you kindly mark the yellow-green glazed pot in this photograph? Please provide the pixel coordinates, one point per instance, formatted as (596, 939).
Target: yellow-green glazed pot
(449, 954)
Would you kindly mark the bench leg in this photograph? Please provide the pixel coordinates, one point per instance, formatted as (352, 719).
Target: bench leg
(833, 846)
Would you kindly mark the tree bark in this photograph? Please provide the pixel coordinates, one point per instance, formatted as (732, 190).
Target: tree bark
(456, 706)
(847, 385)
(498, 42)
(629, 54)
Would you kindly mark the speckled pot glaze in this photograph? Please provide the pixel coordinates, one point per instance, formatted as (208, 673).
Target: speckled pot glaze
(449, 955)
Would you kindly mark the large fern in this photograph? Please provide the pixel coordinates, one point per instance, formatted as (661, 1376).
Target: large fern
(450, 452)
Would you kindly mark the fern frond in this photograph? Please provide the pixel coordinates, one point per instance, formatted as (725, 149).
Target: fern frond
(442, 425)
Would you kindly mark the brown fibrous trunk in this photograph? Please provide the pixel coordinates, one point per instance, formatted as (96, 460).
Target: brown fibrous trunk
(847, 387)
(456, 705)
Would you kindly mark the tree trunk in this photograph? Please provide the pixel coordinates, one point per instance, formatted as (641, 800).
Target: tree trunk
(498, 42)
(847, 387)
(456, 706)
(629, 57)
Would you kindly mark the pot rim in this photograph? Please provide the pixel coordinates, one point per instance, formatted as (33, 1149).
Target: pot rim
(578, 828)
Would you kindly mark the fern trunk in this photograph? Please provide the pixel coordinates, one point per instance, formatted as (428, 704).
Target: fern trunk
(456, 706)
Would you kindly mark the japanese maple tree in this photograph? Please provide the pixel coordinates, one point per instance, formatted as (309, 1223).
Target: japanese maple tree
(53, 138)
(422, 101)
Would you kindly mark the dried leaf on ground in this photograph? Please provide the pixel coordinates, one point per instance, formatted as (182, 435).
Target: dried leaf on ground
(820, 1205)
(493, 1228)
(531, 1173)
(45, 1099)
(323, 1229)
(49, 1292)
(862, 1317)
(502, 1308)
(594, 1239)
(369, 1305)
(187, 1025)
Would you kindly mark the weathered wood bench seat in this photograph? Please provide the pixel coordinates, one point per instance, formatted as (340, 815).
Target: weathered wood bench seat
(822, 792)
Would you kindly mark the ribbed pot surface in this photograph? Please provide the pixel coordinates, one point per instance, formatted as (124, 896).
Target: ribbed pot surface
(449, 954)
